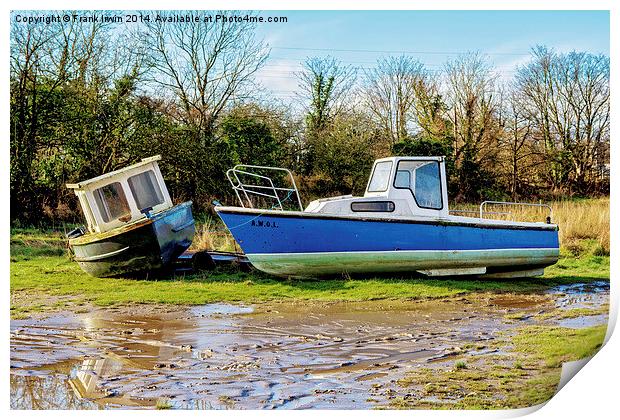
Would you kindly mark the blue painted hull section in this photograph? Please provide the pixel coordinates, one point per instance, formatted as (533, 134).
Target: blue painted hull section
(270, 234)
(269, 238)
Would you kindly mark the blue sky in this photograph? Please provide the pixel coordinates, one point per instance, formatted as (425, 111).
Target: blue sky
(431, 36)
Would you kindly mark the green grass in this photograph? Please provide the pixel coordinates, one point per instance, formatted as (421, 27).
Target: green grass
(58, 275)
(555, 345)
(460, 365)
(40, 264)
(525, 374)
(476, 388)
(30, 243)
(584, 266)
(163, 405)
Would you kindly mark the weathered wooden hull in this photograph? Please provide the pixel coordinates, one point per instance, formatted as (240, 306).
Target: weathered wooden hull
(144, 246)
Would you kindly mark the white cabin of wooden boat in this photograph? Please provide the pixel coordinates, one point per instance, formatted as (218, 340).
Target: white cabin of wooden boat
(398, 187)
(123, 196)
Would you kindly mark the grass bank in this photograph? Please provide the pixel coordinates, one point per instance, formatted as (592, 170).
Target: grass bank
(41, 268)
(525, 372)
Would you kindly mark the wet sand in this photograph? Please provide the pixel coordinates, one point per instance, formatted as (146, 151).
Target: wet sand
(278, 355)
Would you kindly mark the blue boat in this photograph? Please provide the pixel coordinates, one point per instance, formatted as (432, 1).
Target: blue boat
(401, 224)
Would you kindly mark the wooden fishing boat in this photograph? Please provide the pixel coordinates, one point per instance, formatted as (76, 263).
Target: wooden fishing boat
(401, 224)
(132, 225)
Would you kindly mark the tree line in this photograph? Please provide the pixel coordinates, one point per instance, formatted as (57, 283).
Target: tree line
(88, 98)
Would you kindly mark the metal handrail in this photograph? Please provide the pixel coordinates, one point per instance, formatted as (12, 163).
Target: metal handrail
(476, 212)
(248, 189)
(509, 203)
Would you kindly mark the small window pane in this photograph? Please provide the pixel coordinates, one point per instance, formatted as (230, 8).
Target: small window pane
(423, 179)
(403, 179)
(112, 203)
(145, 190)
(380, 177)
(377, 206)
(428, 186)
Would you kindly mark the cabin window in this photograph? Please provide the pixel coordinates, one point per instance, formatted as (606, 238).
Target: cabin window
(423, 179)
(376, 206)
(145, 190)
(403, 179)
(380, 177)
(112, 203)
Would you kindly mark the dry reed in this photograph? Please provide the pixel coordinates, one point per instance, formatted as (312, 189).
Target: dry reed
(578, 220)
(213, 236)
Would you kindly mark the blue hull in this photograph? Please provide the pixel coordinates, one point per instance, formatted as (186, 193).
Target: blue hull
(306, 244)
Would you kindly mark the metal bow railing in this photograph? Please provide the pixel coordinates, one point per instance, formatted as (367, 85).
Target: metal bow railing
(246, 190)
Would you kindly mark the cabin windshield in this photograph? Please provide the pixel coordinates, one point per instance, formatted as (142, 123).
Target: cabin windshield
(380, 177)
(423, 179)
(112, 203)
(145, 190)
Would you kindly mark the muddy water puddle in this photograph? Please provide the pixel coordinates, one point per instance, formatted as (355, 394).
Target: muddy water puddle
(295, 355)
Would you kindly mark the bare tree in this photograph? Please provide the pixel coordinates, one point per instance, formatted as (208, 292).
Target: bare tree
(325, 83)
(390, 92)
(536, 86)
(474, 102)
(518, 148)
(583, 118)
(204, 65)
(566, 96)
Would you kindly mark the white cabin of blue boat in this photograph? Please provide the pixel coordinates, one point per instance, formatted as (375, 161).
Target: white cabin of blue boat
(398, 187)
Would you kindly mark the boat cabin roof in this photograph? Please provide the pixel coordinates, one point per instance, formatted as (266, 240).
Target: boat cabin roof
(113, 174)
(124, 196)
(422, 158)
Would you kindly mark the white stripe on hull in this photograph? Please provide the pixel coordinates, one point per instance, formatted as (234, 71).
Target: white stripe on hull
(336, 263)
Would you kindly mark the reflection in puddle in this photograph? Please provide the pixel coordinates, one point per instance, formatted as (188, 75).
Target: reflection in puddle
(314, 355)
(48, 392)
(88, 373)
(216, 309)
(583, 321)
(581, 295)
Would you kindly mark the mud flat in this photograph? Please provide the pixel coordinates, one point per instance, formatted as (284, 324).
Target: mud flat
(467, 351)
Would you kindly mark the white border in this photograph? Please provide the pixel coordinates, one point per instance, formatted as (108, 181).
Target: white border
(592, 395)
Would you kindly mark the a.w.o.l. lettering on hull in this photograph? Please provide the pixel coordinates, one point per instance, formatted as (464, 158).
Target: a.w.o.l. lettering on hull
(267, 224)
